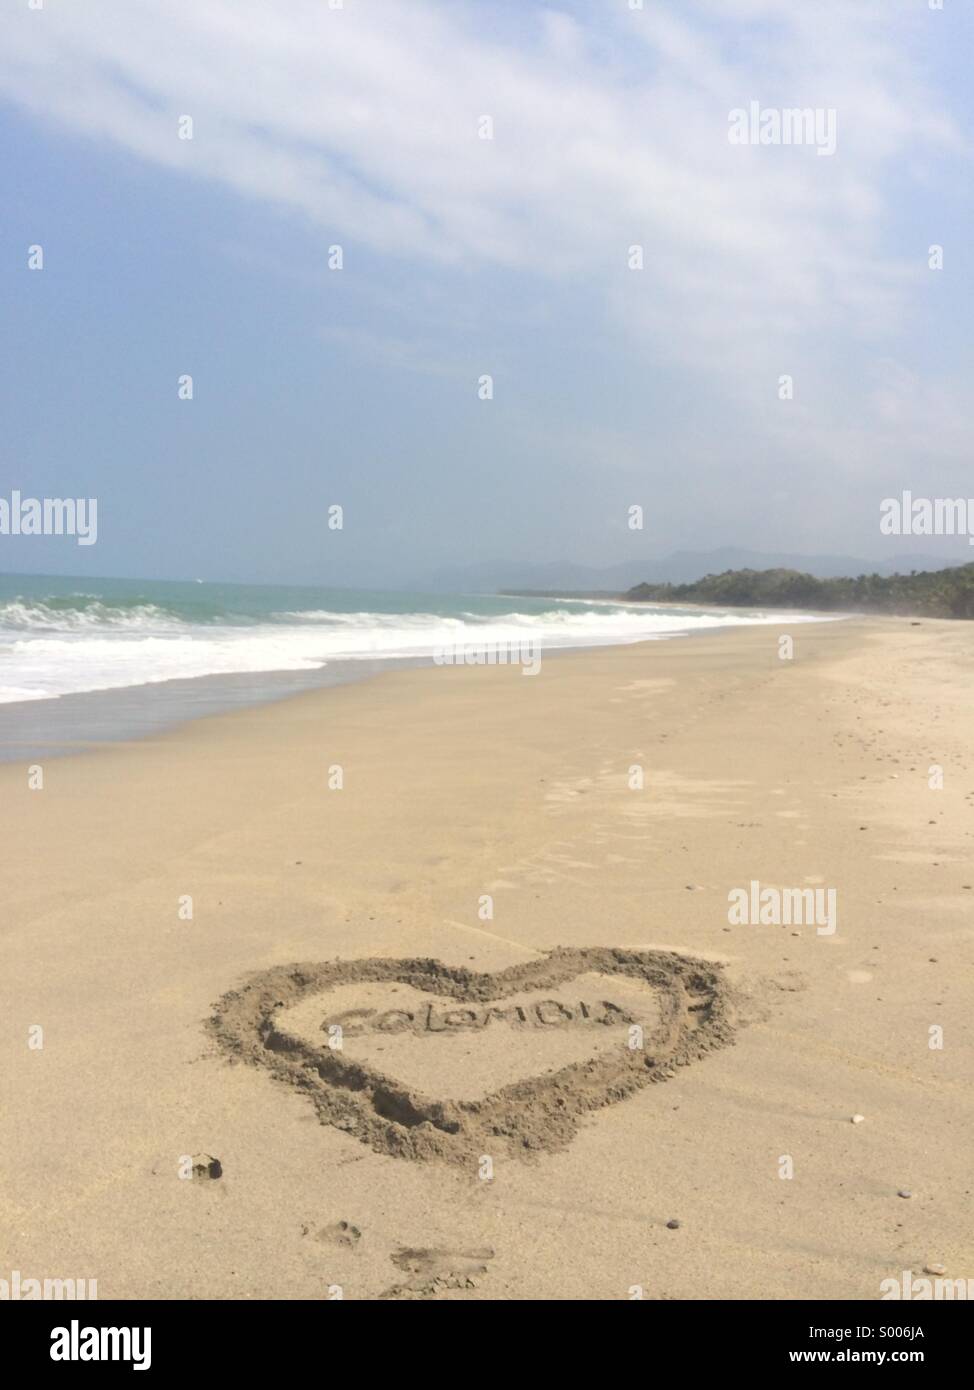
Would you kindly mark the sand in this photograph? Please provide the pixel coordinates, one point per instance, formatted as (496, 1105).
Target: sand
(485, 821)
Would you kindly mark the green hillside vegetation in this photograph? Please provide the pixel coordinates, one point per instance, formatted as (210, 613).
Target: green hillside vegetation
(940, 594)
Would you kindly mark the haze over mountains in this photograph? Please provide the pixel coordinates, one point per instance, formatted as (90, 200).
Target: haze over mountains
(680, 567)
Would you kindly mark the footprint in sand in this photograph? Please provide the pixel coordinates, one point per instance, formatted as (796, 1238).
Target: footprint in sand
(432, 1272)
(341, 1233)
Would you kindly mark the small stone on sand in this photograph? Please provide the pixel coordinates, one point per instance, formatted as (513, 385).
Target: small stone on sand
(206, 1166)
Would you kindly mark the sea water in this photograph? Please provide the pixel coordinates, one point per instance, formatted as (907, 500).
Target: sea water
(170, 650)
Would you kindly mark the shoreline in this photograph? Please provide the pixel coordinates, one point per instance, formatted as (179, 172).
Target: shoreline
(131, 713)
(84, 720)
(808, 772)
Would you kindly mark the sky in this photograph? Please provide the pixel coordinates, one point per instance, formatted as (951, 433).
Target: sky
(361, 125)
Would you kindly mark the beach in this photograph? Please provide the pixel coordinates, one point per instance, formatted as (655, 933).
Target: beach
(482, 818)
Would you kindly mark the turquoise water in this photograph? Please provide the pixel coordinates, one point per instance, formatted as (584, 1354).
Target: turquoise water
(82, 660)
(62, 637)
(106, 600)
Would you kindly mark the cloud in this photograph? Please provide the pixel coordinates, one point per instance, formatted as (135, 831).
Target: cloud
(610, 129)
(366, 118)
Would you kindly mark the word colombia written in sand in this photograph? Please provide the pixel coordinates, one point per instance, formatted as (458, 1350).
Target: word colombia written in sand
(546, 1013)
(534, 1041)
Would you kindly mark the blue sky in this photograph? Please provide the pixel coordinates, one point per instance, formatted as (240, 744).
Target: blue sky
(359, 126)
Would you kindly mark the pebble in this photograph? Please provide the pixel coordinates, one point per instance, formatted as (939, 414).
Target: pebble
(858, 1119)
(904, 1193)
(934, 1269)
(673, 1225)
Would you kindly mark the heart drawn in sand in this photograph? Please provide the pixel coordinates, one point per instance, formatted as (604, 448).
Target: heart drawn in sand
(577, 1030)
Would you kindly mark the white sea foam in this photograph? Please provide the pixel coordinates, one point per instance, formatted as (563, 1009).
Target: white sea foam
(46, 652)
(24, 615)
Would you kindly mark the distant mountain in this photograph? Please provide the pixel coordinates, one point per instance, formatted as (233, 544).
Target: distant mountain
(681, 567)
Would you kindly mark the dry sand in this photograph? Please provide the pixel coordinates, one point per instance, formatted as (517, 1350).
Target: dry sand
(338, 1171)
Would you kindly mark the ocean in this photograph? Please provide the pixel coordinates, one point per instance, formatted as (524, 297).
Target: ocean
(168, 650)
